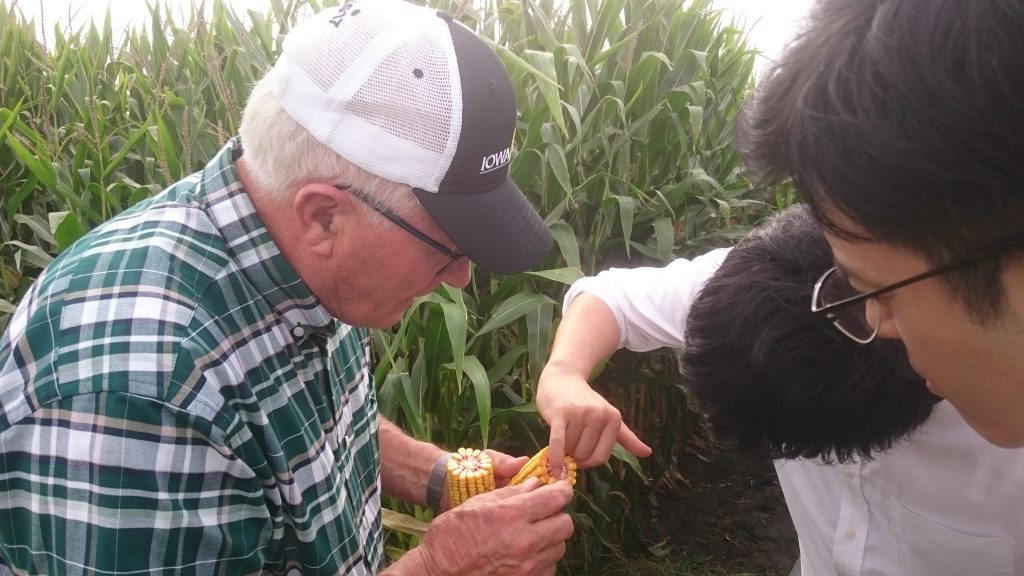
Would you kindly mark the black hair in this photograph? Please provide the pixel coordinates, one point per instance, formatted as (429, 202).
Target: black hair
(906, 118)
(767, 374)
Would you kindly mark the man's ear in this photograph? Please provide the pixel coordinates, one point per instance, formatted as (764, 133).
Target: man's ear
(321, 212)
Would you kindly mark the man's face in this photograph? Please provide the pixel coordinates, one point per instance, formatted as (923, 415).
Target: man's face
(384, 269)
(978, 367)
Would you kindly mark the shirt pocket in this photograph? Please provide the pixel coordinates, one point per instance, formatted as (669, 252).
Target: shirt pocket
(927, 548)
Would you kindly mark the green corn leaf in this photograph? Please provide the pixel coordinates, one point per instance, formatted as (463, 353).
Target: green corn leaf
(626, 456)
(34, 255)
(511, 310)
(456, 320)
(555, 156)
(696, 120)
(518, 66)
(505, 363)
(565, 276)
(544, 63)
(664, 238)
(66, 227)
(404, 390)
(403, 523)
(627, 215)
(567, 243)
(503, 415)
(126, 149)
(40, 228)
(482, 392)
(40, 168)
(724, 209)
(538, 332)
(15, 200)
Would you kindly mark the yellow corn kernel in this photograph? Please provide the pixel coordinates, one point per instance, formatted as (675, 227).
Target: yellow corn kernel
(470, 472)
(538, 466)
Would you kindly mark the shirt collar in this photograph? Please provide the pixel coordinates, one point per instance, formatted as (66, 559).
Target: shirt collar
(226, 202)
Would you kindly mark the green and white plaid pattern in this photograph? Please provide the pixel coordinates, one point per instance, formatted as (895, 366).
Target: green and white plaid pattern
(173, 399)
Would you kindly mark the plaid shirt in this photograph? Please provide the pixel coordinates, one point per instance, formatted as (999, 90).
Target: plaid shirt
(174, 399)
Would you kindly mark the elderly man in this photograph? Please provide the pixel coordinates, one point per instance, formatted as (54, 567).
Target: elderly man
(902, 123)
(187, 389)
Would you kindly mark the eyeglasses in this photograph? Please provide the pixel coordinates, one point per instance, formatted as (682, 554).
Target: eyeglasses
(855, 314)
(454, 257)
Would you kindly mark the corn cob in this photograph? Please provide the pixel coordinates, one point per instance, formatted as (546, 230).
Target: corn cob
(470, 472)
(538, 466)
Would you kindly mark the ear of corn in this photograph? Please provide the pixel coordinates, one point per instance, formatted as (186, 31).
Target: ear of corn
(538, 466)
(470, 472)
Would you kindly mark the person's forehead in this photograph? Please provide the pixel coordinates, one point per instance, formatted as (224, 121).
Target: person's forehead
(849, 255)
(871, 264)
(847, 260)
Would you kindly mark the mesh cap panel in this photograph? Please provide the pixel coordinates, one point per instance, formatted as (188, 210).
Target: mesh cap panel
(410, 97)
(378, 83)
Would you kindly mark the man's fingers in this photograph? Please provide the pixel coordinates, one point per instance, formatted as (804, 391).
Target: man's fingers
(532, 483)
(556, 528)
(545, 571)
(546, 500)
(546, 559)
(505, 466)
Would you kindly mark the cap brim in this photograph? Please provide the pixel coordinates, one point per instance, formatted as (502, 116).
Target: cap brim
(498, 229)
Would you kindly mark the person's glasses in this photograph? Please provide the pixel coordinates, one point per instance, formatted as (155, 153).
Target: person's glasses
(855, 314)
(453, 256)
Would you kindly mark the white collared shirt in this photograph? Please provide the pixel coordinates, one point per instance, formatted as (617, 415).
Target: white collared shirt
(943, 502)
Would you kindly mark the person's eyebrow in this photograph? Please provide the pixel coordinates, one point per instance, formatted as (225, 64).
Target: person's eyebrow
(855, 280)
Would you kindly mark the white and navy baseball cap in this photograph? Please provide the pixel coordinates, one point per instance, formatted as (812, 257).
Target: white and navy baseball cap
(409, 94)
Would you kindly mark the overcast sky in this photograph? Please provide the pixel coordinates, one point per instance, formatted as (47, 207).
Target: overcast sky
(771, 22)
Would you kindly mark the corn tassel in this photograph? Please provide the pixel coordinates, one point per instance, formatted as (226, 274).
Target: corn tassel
(538, 466)
(470, 472)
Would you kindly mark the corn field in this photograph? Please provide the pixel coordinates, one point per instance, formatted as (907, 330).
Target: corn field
(626, 110)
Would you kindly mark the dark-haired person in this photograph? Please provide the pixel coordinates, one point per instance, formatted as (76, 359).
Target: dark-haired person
(187, 389)
(901, 122)
(878, 477)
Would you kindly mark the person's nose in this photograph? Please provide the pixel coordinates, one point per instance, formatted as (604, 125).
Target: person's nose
(887, 327)
(458, 275)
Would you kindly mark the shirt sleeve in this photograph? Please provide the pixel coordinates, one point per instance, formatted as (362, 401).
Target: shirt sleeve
(650, 304)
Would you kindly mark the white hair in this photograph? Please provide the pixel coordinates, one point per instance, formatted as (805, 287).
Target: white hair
(281, 156)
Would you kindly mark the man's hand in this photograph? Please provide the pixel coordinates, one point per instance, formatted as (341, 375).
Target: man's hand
(512, 531)
(505, 466)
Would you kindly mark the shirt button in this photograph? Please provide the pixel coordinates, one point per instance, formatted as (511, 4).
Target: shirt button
(298, 331)
(851, 534)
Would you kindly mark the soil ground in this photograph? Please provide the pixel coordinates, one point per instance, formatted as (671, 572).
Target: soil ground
(727, 513)
(717, 511)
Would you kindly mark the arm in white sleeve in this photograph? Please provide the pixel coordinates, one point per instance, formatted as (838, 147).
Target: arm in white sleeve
(640, 309)
(650, 305)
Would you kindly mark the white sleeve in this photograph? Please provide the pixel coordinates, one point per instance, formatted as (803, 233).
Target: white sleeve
(650, 304)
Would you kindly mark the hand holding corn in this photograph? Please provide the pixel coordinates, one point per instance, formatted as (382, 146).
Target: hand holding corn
(512, 531)
(471, 472)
